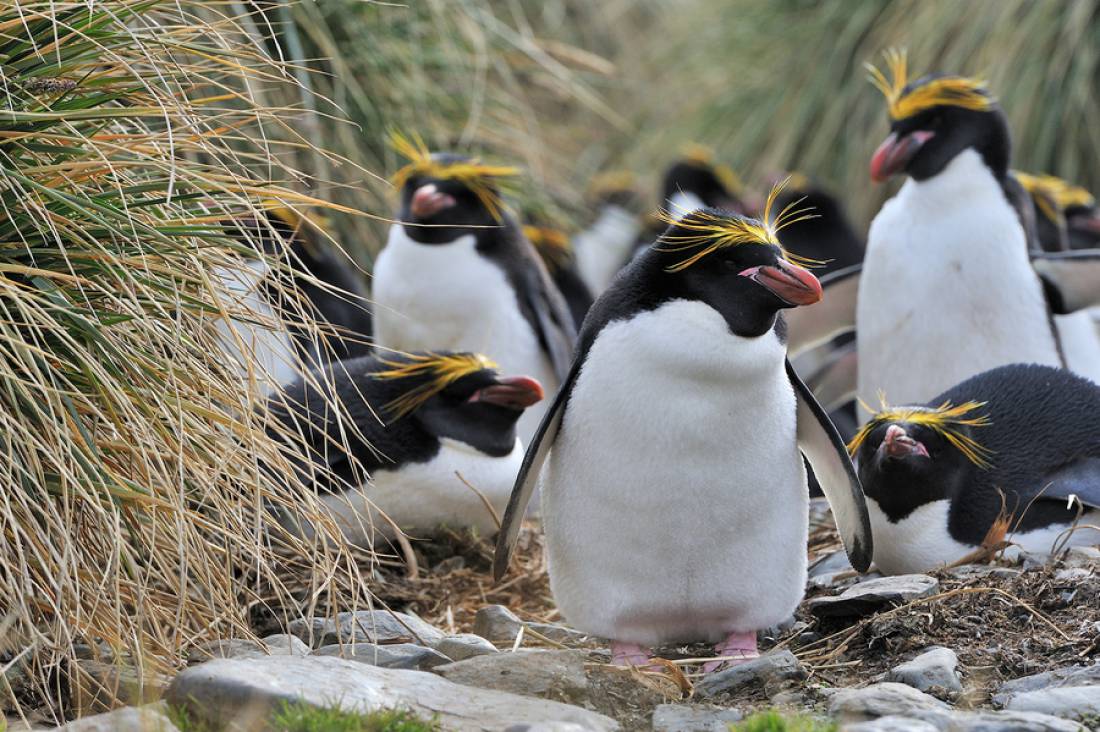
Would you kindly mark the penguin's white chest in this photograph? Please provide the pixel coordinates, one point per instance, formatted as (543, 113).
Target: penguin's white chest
(674, 498)
(421, 497)
(917, 543)
(947, 289)
(449, 297)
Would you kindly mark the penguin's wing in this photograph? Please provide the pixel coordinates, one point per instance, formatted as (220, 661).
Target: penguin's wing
(825, 451)
(812, 325)
(528, 477)
(552, 321)
(834, 383)
(1071, 279)
(1080, 480)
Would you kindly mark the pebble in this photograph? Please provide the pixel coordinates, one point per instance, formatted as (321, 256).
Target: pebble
(693, 718)
(284, 644)
(883, 700)
(230, 648)
(397, 655)
(464, 645)
(769, 668)
(872, 595)
(554, 674)
(149, 718)
(933, 671)
(498, 623)
(1067, 676)
(1062, 701)
(366, 626)
(968, 722)
(243, 692)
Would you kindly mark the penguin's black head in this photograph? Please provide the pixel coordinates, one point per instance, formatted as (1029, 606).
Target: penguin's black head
(935, 118)
(459, 396)
(717, 186)
(733, 264)
(614, 188)
(909, 456)
(444, 195)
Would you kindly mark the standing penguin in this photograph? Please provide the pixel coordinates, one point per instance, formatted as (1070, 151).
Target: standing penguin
(456, 273)
(1012, 451)
(556, 250)
(412, 422)
(697, 181)
(948, 288)
(674, 497)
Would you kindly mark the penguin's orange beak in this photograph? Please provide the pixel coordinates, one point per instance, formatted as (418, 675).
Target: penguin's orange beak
(895, 153)
(898, 444)
(428, 200)
(516, 392)
(790, 283)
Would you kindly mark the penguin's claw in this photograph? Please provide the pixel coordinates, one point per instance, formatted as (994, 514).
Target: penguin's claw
(736, 649)
(630, 654)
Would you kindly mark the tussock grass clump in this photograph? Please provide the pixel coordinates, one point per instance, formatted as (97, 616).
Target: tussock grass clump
(130, 448)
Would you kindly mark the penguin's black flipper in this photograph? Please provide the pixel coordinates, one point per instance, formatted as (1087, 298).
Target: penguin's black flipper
(552, 321)
(821, 445)
(528, 477)
(1079, 479)
(1071, 279)
(813, 325)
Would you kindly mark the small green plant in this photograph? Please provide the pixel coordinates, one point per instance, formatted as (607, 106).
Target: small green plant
(301, 717)
(774, 721)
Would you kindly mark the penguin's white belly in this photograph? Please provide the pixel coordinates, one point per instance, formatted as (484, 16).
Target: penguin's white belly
(947, 289)
(421, 497)
(449, 297)
(674, 498)
(920, 542)
(259, 346)
(1080, 344)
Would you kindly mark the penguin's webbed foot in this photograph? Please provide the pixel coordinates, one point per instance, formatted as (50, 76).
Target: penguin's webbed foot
(736, 649)
(631, 654)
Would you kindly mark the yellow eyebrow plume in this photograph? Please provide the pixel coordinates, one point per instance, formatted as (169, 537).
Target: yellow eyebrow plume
(436, 370)
(552, 245)
(707, 232)
(944, 420)
(952, 91)
(1061, 193)
(482, 180)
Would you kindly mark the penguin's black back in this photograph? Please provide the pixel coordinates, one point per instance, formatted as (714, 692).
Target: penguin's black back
(1041, 420)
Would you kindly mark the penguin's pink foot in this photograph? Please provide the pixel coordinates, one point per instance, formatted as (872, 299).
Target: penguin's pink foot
(630, 654)
(736, 649)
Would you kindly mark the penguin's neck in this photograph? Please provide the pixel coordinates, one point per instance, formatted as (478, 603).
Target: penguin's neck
(965, 183)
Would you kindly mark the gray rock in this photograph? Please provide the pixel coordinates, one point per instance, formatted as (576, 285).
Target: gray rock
(1082, 556)
(892, 723)
(777, 631)
(366, 626)
(831, 564)
(397, 655)
(245, 691)
(884, 700)
(931, 671)
(1062, 701)
(1072, 575)
(532, 672)
(558, 633)
(971, 571)
(308, 630)
(1009, 722)
(284, 644)
(770, 667)
(230, 648)
(99, 686)
(149, 718)
(871, 595)
(464, 645)
(547, 727)
(1068, 676)
(693, 718)
(496, 623)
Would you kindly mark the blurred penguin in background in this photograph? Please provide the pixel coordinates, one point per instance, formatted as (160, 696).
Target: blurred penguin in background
(607, 244)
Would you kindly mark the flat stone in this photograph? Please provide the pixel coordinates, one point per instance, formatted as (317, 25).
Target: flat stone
(872, 595)
(284, 644)
(532, 672)
(99, 686)
(693, 718)
(149, 718)
(244, 692)
(397, 655)
(1068, 676)
(768, 668)
(558, 633)
(884, 700)
(366, 626)
(970, 571)
(465, 645)
(831, 564)
(932, 671)
(1082, 556)
(1009, 722)
(231, 648)
(547, 727)
(496, 623)
(308, 630)
(1061, 701)
(892, 723)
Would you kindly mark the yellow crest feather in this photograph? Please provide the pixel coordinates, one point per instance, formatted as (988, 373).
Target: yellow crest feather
(552, 245)
(953, 91)
(944, 420)
(436, 370)
(704, 156)
(612, 181)
(483, 180)
(1052, 190)
(708, 232)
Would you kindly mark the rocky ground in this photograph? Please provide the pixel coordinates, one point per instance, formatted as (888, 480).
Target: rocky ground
(997, 647)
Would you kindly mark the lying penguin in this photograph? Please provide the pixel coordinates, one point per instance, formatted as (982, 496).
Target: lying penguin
(418, 422)
(457, 273)
(1013, 451)
(674, 494)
